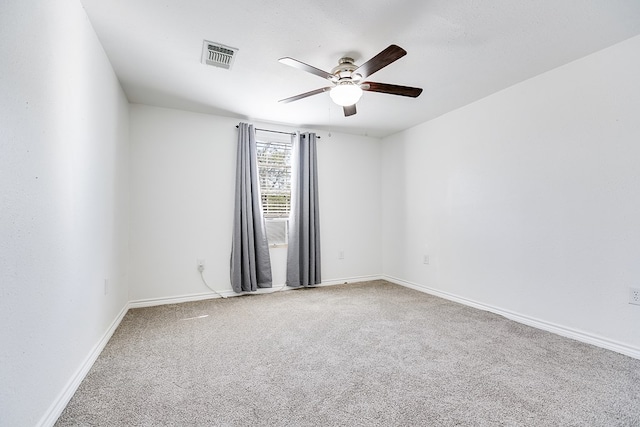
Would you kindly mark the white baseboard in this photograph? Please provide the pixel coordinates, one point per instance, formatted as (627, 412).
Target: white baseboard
(150, 302)
(355, 279)
(527, 320)
(65, 396)
(56, 408)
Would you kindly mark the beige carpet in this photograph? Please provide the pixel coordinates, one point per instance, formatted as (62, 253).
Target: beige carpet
(364, 354)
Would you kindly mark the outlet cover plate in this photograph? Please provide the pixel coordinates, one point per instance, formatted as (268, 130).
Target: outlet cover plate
(634, 296)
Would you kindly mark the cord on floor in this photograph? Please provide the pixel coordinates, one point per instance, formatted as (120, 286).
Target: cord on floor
(207, 285)
(201, 270)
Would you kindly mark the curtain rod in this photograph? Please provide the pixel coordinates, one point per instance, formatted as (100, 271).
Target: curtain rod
(277, 131)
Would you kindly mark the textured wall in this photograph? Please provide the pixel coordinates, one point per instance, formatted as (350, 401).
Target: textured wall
(183, 177)
(528, 200)
(63, 200)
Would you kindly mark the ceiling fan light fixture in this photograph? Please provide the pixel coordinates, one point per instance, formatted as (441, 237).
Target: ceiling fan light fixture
(349, 80)
(345, 93)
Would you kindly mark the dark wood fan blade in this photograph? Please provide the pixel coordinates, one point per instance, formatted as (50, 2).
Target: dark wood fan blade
(381, 60)
(349, 110)
(412, 92)
(306, 67)
(304, 95)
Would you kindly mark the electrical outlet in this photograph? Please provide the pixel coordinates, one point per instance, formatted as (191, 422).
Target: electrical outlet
(425, 259)
(341, 255)
(634, 296)
(200, 264)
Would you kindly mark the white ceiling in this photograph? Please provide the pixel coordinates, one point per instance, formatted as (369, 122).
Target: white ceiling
(458, 51)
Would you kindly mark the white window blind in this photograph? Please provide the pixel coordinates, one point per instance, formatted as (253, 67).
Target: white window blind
(274, 169)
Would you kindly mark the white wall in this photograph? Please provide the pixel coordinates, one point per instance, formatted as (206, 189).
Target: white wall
(183, 172)
(528, 200)
(63, 200)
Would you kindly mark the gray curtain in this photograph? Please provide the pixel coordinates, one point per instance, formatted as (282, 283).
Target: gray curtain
(303, 255)
(250, 262)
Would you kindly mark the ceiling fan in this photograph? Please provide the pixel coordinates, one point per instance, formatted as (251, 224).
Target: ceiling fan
(349, 79)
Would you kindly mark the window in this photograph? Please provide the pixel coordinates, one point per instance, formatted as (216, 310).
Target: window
(274, 171)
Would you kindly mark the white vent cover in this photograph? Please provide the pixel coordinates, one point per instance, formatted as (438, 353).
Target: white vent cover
(218, 55)
(277, 231)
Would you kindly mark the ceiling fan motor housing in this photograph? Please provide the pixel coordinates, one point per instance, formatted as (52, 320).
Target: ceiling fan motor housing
(345, 69)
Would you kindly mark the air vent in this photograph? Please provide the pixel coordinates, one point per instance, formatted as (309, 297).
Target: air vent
(218, 55)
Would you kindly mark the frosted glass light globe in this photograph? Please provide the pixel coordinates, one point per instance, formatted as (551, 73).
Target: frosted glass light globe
(345, 93)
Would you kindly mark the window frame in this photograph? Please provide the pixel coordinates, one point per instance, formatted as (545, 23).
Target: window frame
(271, 212)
